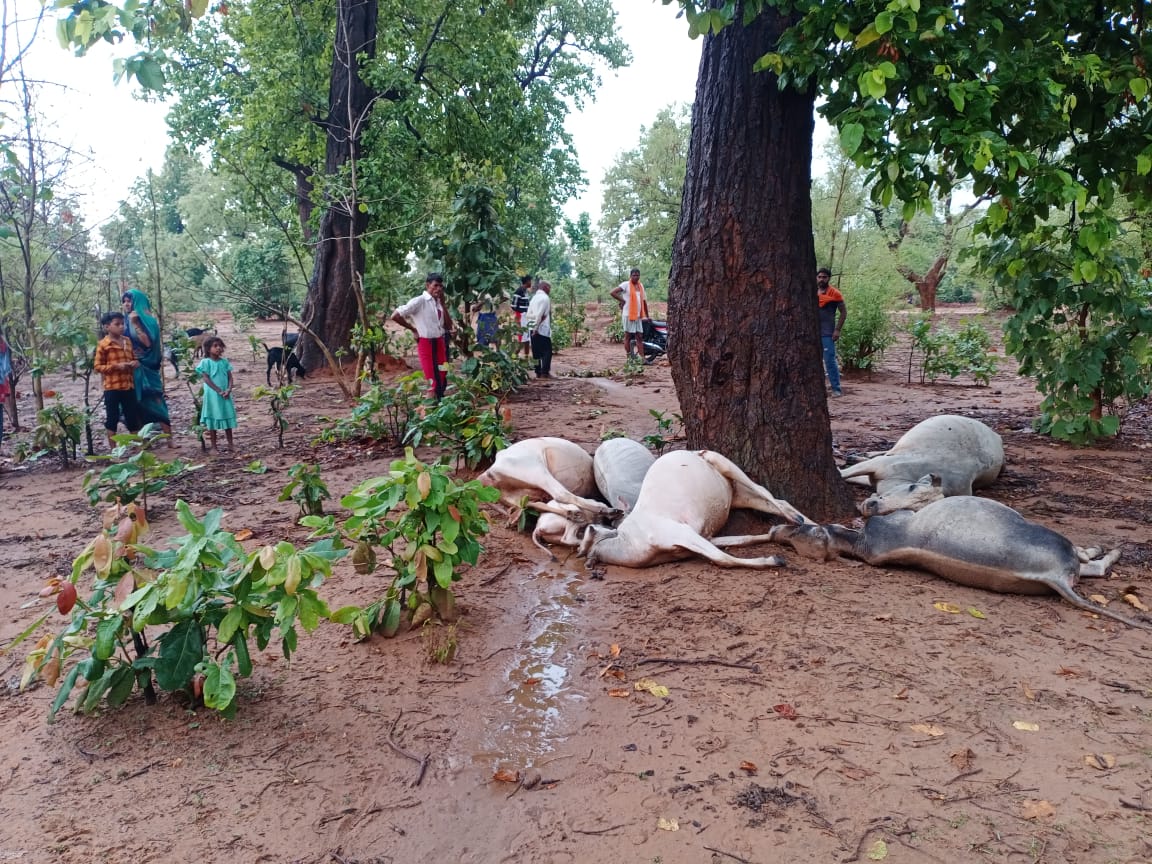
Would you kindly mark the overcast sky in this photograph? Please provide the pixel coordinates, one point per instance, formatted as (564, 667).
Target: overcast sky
(118, 137)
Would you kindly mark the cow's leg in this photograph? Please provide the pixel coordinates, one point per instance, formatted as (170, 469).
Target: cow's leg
(741, 540)
(1089, 553)
(683, 537)
(1097, 569)
(749, 495)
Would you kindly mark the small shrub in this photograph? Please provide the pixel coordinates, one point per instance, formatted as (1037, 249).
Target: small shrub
(209, 596)
(278, 401)
(867, 331)
(306, 488)
(136, 470)
(953, 353)
(614, 330)
(58, 429)
(430, 525)
(383, 411)
(470, 428)
(659, 440)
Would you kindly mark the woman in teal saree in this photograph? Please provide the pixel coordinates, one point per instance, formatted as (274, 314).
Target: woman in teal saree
(144, 331)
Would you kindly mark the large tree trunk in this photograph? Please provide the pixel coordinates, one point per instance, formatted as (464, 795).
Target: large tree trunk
(927, 283)
(331, 308)
(745, 352)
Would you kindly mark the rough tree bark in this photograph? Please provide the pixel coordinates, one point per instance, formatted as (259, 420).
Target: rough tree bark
(330, 307)
(746, 352)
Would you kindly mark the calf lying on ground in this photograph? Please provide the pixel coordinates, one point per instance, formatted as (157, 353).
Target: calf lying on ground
(619, 466)
(686, 499)
(556, 475)
(970, 541)
(939, 457)
(277, 355)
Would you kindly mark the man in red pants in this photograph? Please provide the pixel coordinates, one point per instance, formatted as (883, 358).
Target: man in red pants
(426, 315)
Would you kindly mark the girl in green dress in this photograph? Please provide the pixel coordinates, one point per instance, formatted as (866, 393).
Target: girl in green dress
(219, 411)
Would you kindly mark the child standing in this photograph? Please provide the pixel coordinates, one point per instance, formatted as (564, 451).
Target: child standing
(219, 411)
(116, 363)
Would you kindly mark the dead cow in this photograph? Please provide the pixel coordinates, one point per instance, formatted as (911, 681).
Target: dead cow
(970, 541)
(554, 474)
(686, 499)
(619, 466)
(939, 457)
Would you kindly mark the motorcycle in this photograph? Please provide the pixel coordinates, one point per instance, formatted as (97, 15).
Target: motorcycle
(655, 339)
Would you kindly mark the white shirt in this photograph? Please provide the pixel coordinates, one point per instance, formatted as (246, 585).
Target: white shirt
(424, 312)
(540, 311)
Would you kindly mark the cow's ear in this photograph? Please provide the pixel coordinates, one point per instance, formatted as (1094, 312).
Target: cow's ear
(936, 480)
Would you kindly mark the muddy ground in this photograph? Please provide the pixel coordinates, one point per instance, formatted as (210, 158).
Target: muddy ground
(823, 712)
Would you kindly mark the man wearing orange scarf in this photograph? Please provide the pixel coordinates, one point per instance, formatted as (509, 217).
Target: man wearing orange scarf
(634, 312)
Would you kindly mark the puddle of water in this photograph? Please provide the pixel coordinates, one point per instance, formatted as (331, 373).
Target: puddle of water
(529, 721)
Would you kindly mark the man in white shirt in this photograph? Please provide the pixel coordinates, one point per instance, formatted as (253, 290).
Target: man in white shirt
(426, 315)
(539, 318)
(633, 312)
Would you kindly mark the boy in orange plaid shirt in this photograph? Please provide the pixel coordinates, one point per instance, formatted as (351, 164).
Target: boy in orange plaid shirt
(115, 362)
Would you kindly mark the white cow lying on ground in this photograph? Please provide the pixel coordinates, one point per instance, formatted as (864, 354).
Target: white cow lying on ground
(556, 475)
(619, 466)
(686, 499)
(939, 457)
(970, 541)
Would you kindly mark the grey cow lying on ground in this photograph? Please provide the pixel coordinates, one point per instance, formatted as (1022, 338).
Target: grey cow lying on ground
(685, 500)
(970, 541)
(938, 457)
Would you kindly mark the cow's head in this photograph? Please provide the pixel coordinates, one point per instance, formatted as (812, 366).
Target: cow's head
(593, 534)
(906, 496)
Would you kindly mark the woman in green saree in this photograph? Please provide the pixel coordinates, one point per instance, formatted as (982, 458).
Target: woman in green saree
(144, 331)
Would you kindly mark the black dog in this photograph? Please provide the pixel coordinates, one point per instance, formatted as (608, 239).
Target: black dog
(276, 358)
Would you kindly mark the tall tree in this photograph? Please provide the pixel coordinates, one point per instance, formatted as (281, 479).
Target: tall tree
(746, 358)
(642, 192)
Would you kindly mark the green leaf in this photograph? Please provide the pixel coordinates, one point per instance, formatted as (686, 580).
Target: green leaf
(181, 648)
(1088, 270)
(867, 36)
(391, 622)
(345, 615)
(883, 23)
(150, 74)
(843, 31)
(120, 687)
(65, 691)
(219, 686)
(230, 623)
(1139, 88)
(851, 137)
(106, 632)
(876, 86)
(443, 573)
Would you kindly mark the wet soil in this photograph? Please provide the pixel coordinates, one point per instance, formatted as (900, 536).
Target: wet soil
(823, 712)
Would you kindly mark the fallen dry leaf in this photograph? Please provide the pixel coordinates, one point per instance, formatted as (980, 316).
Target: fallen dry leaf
(1025, 726)
(1098, 598)
(903, 694)
(962, 759)
(785, 710)
(878, 851)
(647, 685)
(667, 824)
(529, 682)
(1037, 809)
(507, 775)
(620, 692)
(1135, 602)
(750, 767)
(243, 534)
(1100, 761)
(1067, 672)
(948, 607)
(976, 613)
(927, 729)
(614, 650)
(1027, 691)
